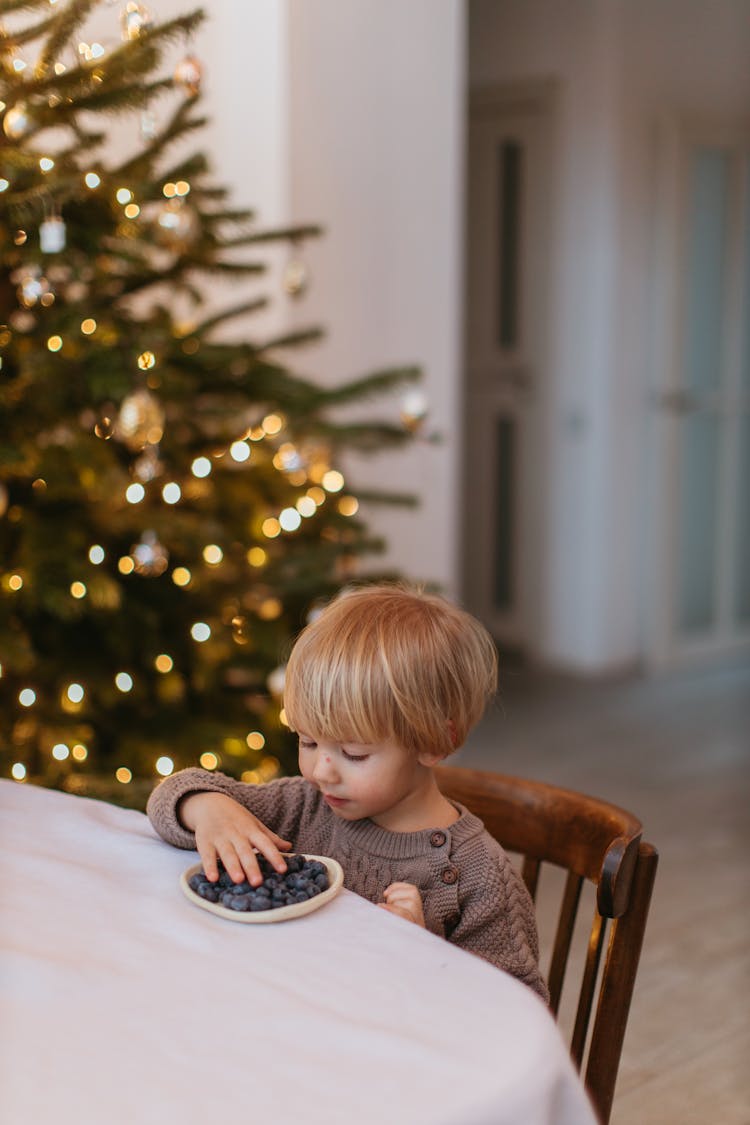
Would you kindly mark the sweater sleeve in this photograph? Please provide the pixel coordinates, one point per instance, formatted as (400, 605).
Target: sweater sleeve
(498, 923)
(278, 804)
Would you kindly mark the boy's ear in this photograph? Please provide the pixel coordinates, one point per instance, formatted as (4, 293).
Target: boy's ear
(434, 756)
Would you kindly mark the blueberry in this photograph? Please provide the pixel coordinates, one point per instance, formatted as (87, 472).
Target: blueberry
(225, 879)
(259, 902)
(195, 880)
(242, 888)
(209, 891)
(240, 902)
(321, 881)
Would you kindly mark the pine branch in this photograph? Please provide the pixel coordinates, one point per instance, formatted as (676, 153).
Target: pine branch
(65, 24)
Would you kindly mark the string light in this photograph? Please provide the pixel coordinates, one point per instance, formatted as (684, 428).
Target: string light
(272, 424)
(146, 360)
(54, 343)
(88, 326)
(201, 467)
(132, 211)
(348, 505)
(181, 576)
(92, 180)
(27, 697)
(306, 506)
(209, 760)
(290, 519)
(316, 494)
(164, 766)
(213, 554)
(333, 481)
(171, 492)
(255, 740)
(15, 582)
(200, 632)
(96, 554)
(75, 693)
(18, 771)
(134, 493)
(256, 556)
(78, 590)
(271, 527)
(60, 751)
(123, 195)
(80, 752)
(164, 663)
(46, 163)
(125, 565)
(239, 451)
(123, 775)
(124, 682)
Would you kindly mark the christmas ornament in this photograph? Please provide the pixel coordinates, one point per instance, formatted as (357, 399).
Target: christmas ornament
(177, 223)
(16, 122)
(140, 421)
(33, 287)
(52, 235)
(134, 19)
(148, 125)
(413, 411)
(148, 464)
(151, 558)
(295, 278)
(188, 75)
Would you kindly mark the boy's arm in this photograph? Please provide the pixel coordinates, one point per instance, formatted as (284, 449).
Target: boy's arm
(226, 819)
(498, 924)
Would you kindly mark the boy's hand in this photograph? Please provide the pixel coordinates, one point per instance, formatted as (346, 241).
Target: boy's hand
(226, 831)
(405, 900)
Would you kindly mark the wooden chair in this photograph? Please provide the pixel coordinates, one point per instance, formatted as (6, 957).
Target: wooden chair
(596, 841)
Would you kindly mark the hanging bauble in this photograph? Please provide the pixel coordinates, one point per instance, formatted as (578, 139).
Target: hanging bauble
(16, 122)
(134, 19)
(140, 421)
(148, 465)
(3, 499)
(413, 411)
(149, 556)
(52, 235)
(296, 277)
(148, 125)
(177, 224)
(188, 75)
(33, 287)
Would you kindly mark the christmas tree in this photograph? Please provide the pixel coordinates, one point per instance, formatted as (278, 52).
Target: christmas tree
(172, 505)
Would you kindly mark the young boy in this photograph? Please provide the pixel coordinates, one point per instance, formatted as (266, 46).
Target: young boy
(380, 687)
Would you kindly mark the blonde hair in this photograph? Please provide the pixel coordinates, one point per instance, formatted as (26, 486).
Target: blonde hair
(391, 663)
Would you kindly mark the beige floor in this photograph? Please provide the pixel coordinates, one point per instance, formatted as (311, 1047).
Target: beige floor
(675, 751)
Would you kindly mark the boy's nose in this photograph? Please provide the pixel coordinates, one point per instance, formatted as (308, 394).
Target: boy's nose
(324, 769)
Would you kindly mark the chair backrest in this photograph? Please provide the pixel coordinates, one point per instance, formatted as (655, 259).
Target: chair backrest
(592, 840)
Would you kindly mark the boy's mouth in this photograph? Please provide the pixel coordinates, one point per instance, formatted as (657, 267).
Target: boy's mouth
(334, 802)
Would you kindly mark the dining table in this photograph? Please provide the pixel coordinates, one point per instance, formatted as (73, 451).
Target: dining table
(123, 1003)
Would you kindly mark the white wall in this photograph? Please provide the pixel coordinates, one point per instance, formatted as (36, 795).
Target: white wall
(621, 66)
(377, 126)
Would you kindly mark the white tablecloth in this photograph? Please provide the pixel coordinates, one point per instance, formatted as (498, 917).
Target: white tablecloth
(124, 1004)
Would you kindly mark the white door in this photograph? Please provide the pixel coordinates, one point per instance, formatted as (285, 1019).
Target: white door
(702, 400)
(507, 267)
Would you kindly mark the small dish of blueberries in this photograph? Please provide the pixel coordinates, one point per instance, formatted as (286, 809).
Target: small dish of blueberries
(309, 882)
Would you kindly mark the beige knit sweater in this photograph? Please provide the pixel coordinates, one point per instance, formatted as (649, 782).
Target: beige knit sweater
(471, 893)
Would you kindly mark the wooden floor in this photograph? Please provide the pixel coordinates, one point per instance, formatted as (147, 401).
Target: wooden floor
(676, 752)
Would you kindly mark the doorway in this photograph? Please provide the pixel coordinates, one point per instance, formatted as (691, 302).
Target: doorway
(702, 399)
(508, 265)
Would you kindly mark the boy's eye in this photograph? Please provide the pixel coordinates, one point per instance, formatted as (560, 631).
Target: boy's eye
(354, 757)
(307, 744)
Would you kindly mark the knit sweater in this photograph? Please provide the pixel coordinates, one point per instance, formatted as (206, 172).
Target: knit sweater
(471, 893)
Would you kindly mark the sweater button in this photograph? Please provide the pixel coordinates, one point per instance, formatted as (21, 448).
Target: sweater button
(449, 875)
(437, 839)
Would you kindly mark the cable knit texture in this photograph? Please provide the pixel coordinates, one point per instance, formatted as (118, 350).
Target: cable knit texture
(472, 894)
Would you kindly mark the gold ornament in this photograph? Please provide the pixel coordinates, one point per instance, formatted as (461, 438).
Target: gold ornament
(413, 411)
(296, 278)
(16, 122)
(188, 75)
(177, 224)
(151, 558)
(134, 19)
(140, 421)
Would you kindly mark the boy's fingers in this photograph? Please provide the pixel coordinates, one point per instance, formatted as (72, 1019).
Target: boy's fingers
(210, 866)
(266, 846)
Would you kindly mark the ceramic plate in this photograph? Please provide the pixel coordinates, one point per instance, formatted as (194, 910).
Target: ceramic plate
(281, 913)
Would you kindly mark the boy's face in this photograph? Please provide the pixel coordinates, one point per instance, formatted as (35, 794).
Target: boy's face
(381, 781)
